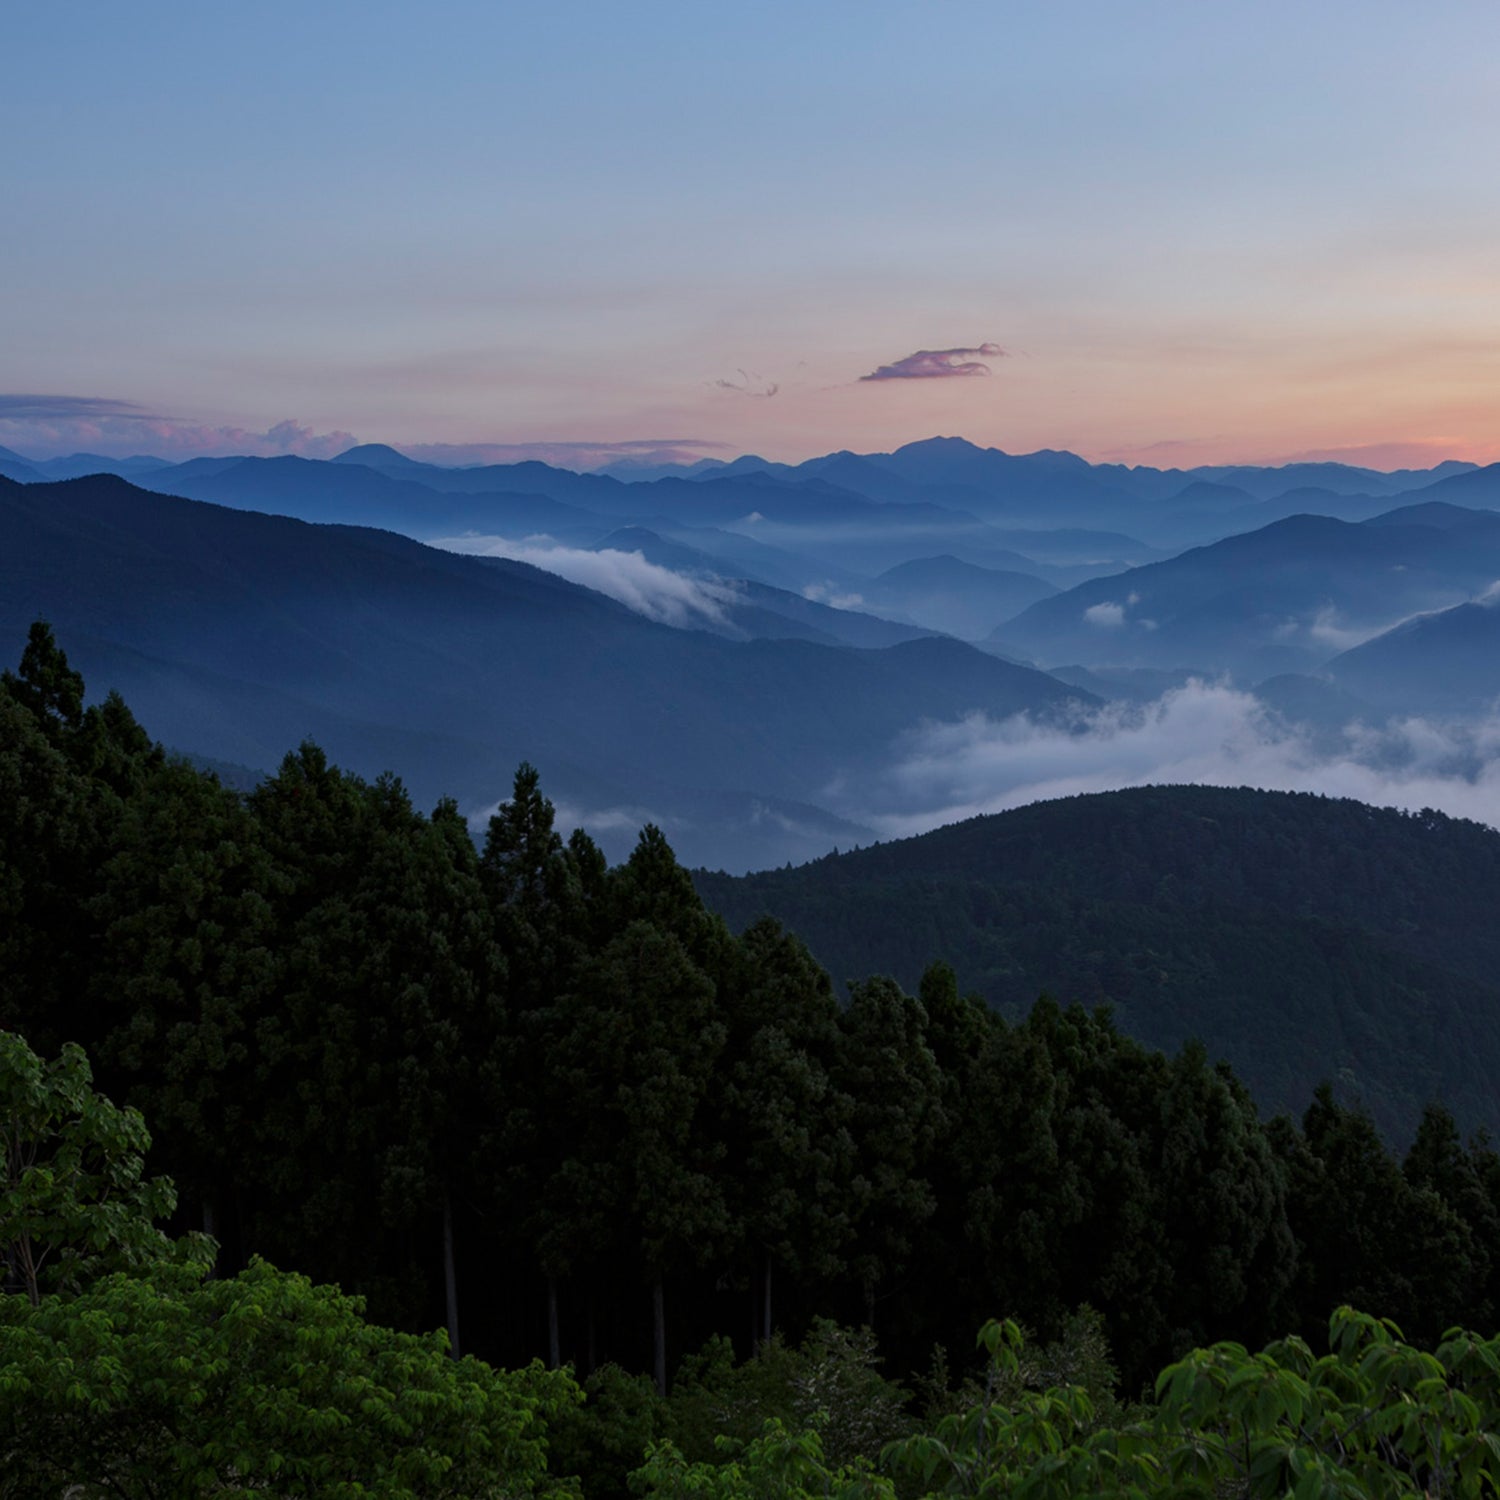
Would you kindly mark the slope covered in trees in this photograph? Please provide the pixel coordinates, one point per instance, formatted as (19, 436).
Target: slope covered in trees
(131, 1373)
(1301, 937)
(561, 1107)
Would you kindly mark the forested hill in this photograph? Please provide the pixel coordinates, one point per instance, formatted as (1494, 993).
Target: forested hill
(1302, 938)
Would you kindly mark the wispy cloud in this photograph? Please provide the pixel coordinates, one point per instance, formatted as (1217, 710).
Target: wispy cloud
(1203, 733)
(645, 587)
(1164, 447)
(46, 426)
(564, 455)
(1417, 453)
(1109, 615)
(749, 384)
(17, 407)
(833, 596)
(937, 364)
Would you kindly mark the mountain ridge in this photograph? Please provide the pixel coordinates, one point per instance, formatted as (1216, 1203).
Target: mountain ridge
(1303, 938)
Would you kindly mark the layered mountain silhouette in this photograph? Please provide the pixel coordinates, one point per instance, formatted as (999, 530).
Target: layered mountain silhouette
(13, 466)
(235, 634)
(1285, 598)
(951, 595)
(1042, 558)
(352, 494)
(1447, 662)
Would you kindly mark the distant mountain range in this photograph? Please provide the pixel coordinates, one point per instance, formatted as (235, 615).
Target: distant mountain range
(761, 647)
(1302, 938)
(944, 482)
(235, 634)
(958, 597)
(769, 631)
(1447, 662)
(1285, 598)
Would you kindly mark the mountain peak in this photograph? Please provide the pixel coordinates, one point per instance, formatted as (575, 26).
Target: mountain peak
(942, 445)
(377, 456)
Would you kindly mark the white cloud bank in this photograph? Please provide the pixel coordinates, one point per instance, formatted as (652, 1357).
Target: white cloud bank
(645, 587)
(1203, 733)
(831, 595)
(1111, 616)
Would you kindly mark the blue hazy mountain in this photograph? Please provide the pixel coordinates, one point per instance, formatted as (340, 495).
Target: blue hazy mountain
(383, 457)
(1446, 662)
(1282, 599)
(951, 472)
(863, 513)
(1475, 488)
(946, 593)
(756, 611)
(834, 528)
(753, 609)
(742, 556)
(13, 466)
(1056, 487)
(76, 465)
(822, 521)
(1440, 514)
(677, 555)
(235, 634)
(1267, 482)
(352, 494)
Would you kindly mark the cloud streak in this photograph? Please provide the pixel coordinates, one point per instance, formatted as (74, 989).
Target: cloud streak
(48, 426)
(1202, 733)
(645, 587)
(17, 407)
(749, 384)
(564, 455)
(939, 364)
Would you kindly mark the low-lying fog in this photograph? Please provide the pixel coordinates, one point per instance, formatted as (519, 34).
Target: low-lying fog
(1203, 732)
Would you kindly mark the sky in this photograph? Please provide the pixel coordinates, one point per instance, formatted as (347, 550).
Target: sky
(1167, 233)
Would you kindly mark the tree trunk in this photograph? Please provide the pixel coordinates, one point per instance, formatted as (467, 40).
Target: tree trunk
(554, 1337)
(766, 1322)
(659, 1321)
(450, 1276)
(208, 1229)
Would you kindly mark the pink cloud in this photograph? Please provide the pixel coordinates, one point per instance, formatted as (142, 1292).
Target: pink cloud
(936, 364)
(1418, 453)
(567, 455)
(48, 426)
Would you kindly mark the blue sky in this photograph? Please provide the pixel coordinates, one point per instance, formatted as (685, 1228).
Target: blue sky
(1200, 232)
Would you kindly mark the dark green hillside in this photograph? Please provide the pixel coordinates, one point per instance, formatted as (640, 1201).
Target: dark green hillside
(1300, 937)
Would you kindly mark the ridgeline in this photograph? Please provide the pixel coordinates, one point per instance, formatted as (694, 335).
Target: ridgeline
(1303, 938)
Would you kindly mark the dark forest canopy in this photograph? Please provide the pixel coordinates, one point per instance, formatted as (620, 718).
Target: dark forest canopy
(1305, 938)
(564, 1107)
